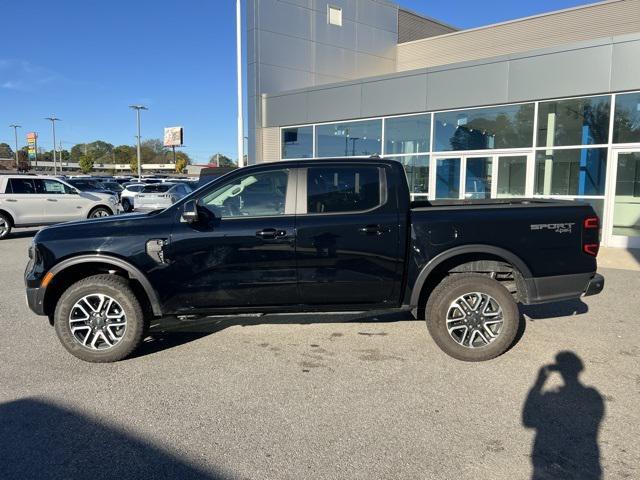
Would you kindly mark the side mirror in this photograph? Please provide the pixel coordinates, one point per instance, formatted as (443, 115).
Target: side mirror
(190, 212)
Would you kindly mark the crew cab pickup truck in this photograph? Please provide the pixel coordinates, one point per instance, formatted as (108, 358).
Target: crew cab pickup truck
(313, 235)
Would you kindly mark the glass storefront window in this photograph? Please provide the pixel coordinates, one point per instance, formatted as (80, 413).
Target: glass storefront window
(626, 121)
(448, 178)
(572, 172)
(297, 142)
(509, 126)
(478, 178)
(626, 208)
(349, 139)
(512, 175)
(577, 121)
(407, 134)
(417, 169)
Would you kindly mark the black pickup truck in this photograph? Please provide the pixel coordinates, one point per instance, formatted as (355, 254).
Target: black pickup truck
(314, 235)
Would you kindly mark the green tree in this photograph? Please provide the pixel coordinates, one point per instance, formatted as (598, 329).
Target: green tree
(124, 153)
(86, 163)
(181, 164)
(133, 164)
(5, 151)
(221, 160)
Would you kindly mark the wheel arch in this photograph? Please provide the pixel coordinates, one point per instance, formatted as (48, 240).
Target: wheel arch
(100, 205)
(8, 214)
(465, 253)
(72, 269)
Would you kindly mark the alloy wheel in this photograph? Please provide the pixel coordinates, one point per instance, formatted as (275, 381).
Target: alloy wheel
(474, 319)
(4, 226)
(97, 322)
(99, 214)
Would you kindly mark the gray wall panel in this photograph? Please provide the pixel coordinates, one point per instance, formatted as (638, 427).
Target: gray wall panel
(396, 95)
(335, 61)
(376, 41)
(348, 7)
(273, 76)
(279, 16)
(372, 65)
(344, 36)
(626, 66)
(324, 104)
(380, 15)
(560, 74)
(286, 110)
(284, 51)
(476, 85)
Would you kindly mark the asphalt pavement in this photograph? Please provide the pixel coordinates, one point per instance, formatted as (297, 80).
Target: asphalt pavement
(365, 396)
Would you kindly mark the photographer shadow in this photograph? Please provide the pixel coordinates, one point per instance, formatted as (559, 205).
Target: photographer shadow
(566, 421)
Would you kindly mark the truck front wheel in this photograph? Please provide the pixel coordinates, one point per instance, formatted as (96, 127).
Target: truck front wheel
(99, 319)
(472, 317)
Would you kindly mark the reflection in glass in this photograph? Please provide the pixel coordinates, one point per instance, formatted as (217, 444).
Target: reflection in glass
(297, 142)
(578, 121)
(509, 126)
(571, 172)
(626, 209)
(512, 174)
(448, 178)
(349, 139)
(478, 178)
(407, 134)
(626, 121)
(417, 169)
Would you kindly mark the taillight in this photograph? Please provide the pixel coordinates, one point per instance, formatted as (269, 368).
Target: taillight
(590, 236)
(591, 222)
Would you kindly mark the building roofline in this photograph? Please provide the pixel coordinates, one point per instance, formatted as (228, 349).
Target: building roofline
(427, 17)
(516, 20)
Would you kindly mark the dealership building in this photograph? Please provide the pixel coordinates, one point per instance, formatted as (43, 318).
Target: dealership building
(545, 106)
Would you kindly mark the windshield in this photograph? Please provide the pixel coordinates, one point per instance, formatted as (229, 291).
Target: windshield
(157, 188)
(84, 184)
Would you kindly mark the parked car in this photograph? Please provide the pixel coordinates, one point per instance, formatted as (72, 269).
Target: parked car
(90, 185)
(129, 194)
(158, 196)
(29, 201)
(314, 235)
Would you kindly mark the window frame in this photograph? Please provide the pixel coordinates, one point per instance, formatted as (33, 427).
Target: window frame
(302, 198)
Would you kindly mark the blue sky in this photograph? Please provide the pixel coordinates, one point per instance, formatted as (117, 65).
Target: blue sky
(86, 60)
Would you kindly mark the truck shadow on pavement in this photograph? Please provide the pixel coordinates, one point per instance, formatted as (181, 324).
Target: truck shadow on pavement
(567, 308)
(566, 421)
(41, 440)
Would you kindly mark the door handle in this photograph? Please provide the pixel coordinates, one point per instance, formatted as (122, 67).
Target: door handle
(373, 230)
(51, 200)
(271, 233)
(12, 200)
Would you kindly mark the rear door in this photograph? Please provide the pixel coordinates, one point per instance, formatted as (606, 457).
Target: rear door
(60, 204)
(348, 236)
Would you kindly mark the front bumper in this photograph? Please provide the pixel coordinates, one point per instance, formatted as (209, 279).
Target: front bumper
(35, 300)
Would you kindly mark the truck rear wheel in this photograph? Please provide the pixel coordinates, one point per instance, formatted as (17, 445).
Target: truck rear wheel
(99, 319)
(472, 317)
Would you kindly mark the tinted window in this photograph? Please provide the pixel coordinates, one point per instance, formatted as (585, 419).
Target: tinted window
(578, 121)
(297, 142)
(259, 194)
(626, 123)
(157, 188)
(407, 134)
(134, 188)
(342, 189)
(571, 172)
(349, 139)
(22, 185)
(509, 126)
(416, 168)
(49, 186)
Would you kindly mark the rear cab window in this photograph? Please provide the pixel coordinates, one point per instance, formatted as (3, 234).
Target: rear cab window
(337, 189)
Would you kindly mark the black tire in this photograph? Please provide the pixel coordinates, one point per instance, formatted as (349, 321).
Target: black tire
(455, 286)
(118, 289)
(126, 205)
(5, 226)
(100, 212)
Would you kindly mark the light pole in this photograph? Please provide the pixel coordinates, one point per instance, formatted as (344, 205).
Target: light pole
(15, 133)
(53, 119)
(239, 83)
(137, 108)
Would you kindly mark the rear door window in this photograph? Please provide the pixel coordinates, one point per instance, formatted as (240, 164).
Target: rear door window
(342, 189)
(21, 185)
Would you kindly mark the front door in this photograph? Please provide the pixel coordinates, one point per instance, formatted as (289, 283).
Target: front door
(348, 236)
(241, 252)
(624, 208)
(61, 205)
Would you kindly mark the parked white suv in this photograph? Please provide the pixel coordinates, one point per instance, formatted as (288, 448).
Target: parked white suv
(33, 201)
